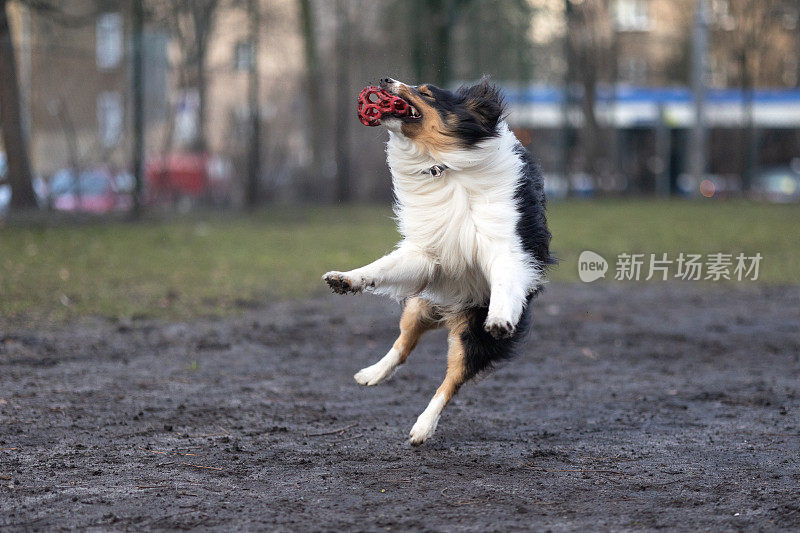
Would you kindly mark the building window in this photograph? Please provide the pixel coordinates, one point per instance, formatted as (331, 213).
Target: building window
(631, 15)
(109, 40)
(243, 56)
(109, 118)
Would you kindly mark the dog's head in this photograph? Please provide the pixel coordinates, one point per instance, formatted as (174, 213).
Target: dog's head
(442, 120)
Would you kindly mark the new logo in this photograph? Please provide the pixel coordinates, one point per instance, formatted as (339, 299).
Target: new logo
(591, 266)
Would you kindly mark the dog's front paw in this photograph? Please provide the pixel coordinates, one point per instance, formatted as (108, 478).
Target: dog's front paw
(499, 328)
(341, 283)
(373, 375)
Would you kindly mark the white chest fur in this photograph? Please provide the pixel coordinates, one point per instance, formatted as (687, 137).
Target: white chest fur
(464, 218)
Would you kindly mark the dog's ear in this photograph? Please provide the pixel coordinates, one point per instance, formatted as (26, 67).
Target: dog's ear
(485, 101)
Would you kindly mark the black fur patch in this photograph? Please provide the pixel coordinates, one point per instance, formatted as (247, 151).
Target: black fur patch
(531, 204)
(482, 350)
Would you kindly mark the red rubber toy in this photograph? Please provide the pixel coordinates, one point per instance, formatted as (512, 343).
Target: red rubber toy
(374, 103)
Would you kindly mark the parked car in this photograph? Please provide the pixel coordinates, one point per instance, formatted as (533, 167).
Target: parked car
(189, 176)
(780, 185)
(95, 190)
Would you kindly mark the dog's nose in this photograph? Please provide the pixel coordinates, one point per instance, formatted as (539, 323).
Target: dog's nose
(386, 81)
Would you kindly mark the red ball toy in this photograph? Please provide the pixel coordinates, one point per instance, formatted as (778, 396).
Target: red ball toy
(374, 103)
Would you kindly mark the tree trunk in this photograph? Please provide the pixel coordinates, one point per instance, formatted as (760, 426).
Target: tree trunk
(566, 135)
(749, 139)
(71, 140)
(591, 130)
(441, 74)
(254, 152)
(417, 40)
(202, 97)
(202, 14)
(344, 103)
(431, 36)
(137, 82)
(313, 83)
(583, 57)
(14, 141)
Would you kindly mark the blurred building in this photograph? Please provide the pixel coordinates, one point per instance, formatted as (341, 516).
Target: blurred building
(632, 55)
(638, 52)
(652, 40)
(74, 80)
(75, 76)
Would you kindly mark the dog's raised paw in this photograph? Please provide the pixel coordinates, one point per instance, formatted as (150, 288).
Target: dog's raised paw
(373, 375)
(499, 328)
(380, 371)
(340, 283)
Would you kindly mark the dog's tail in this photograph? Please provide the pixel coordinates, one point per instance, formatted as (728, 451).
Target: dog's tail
(481, 350)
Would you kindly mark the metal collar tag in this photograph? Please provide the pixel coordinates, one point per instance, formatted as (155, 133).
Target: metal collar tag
(436, 170)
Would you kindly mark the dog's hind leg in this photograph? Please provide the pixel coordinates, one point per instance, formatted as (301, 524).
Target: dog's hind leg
(472, 350)
(457, 374)
(418, 317)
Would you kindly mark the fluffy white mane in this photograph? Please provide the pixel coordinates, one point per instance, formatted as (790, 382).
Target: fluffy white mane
(462, 219)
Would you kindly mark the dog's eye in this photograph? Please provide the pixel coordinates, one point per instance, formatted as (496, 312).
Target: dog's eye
(425, 92)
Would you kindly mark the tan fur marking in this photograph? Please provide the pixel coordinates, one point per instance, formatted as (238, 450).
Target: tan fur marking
(456, 363)
(418, 317)
(455, 377)
(430, 131)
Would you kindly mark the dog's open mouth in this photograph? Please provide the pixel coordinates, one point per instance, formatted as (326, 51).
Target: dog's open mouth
(413, 114)
(375, 103)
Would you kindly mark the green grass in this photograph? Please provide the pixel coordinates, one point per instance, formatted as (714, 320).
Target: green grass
(215, 266)
(658, 226)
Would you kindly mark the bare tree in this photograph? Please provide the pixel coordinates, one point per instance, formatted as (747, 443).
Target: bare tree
(191, 23)
(590, 45)
(750, 41)
(432, 36)
(480, 49)
(254, 150)
(16, 144)
(14, 140)
(137, 84)
(431, 39)
(344, 99)
(313, 93)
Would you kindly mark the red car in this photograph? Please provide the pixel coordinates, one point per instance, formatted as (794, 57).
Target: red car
(193, 176)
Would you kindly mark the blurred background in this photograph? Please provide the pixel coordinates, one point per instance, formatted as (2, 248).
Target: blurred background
(111, 105)
(111, 109)
(177, 175)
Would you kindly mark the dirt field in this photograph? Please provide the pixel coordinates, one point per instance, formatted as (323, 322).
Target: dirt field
(632, 407)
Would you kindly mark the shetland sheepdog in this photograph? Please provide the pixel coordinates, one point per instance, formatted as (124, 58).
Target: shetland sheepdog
(475, 244)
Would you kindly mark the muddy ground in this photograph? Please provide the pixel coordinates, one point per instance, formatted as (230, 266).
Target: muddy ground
(632, 407)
